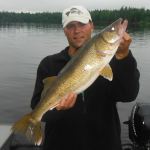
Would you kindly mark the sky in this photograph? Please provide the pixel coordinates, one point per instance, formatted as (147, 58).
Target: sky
(59, 5)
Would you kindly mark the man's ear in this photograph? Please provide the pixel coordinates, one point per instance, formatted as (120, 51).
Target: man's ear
(64, 31)
(92, 26)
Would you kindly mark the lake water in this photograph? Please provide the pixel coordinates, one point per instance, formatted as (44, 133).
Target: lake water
(23, 46)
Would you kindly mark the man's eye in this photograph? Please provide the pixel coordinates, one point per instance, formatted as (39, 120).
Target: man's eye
(82, 24)
(72, 26)
(69, 26)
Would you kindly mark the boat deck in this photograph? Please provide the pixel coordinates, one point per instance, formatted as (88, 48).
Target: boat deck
(10, 141)
(18, 142)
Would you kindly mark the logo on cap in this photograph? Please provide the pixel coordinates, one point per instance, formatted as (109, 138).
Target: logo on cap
(74, 11)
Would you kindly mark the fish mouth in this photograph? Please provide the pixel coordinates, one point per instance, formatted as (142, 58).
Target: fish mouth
(121, 29)
(114, 32)
(119, 26)
(122, 26)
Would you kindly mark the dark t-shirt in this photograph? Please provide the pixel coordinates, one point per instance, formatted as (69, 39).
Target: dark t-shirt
(93, 123)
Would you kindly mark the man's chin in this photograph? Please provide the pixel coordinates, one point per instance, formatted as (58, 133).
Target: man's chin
(79, 46)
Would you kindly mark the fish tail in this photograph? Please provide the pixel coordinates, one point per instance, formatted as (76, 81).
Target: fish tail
(29, 127)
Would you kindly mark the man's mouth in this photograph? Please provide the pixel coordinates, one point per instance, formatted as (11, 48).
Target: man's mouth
(79, 38)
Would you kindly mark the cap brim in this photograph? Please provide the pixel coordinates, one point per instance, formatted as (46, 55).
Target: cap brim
(79, 19)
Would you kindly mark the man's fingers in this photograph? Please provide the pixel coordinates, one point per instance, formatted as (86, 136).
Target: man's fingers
(127, 37)
(67, 102)
(125, 41)
(72, 102)
(123, 48)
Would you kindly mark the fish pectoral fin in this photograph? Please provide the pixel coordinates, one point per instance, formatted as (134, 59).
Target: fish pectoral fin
(107, 72)
(47, 81)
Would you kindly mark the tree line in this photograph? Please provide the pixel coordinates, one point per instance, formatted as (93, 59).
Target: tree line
(136, 17)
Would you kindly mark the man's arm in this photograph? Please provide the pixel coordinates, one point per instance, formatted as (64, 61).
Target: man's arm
(125, 85)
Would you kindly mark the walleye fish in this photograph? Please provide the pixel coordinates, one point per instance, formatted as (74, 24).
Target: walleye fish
(90, 61)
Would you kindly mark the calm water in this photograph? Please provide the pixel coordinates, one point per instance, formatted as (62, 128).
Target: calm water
(22, 48)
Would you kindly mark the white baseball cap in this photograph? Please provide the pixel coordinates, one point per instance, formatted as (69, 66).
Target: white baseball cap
(75, 13)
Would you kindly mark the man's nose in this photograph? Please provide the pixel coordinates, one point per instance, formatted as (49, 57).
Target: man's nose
(77, 28)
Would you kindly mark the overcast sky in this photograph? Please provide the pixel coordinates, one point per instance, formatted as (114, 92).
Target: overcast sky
(59, 5)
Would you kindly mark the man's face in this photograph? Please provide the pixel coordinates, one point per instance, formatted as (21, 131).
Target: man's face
(78, 33)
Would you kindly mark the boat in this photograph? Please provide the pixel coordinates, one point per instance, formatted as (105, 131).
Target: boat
(138, 126)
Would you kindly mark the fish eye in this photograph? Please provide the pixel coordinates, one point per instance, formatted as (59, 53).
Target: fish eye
(112, 28)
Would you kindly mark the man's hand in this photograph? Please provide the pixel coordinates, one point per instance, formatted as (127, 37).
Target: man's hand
(67, 102)
(123, 48)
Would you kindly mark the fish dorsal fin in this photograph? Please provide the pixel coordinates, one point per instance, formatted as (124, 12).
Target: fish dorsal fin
(107, 72)
(47, 81)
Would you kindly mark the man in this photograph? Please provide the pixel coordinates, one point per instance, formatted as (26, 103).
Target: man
(88, 121)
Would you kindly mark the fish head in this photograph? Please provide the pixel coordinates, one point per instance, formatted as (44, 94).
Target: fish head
(109, 39)
(115, 31)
